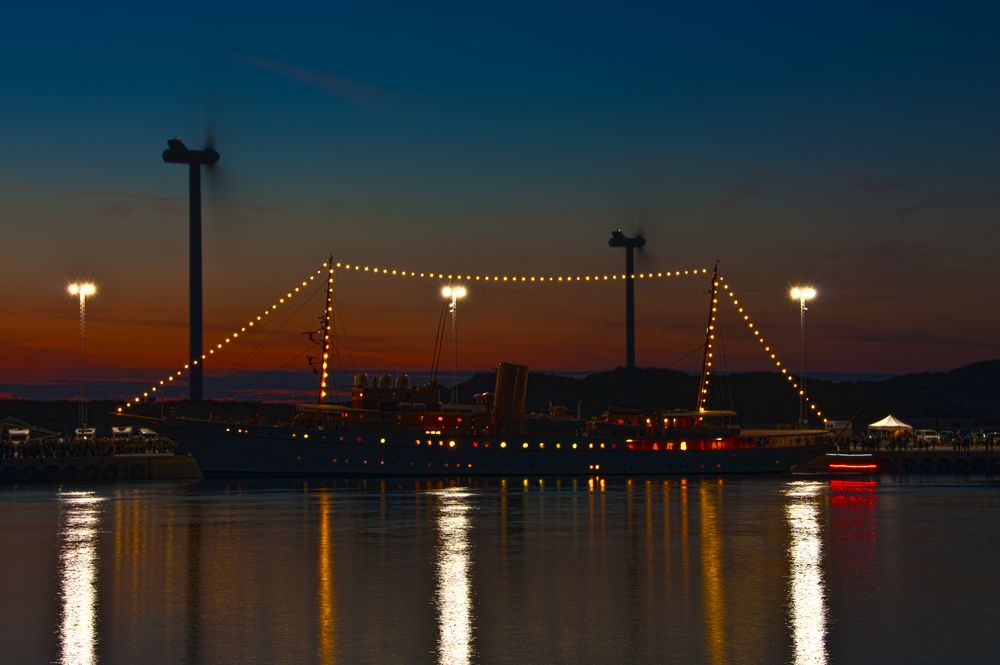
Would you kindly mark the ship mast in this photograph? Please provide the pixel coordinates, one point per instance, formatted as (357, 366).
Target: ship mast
(326, 327)
(706, 361)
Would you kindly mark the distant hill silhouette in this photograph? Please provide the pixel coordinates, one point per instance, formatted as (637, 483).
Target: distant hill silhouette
(970, 393)
(764, 398)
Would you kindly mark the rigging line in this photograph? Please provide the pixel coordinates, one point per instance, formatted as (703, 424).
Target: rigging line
(338, 321)
(269, 372)
(687, 355)
(438, 341)
(271, 334)
(168, 380)
(677, 322)
(722, 376)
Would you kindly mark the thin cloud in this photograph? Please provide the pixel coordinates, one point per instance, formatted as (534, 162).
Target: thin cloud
(906, 212)
(359, 94)
(900, 249)
(879, 186)
(735, 198)
(119, 203)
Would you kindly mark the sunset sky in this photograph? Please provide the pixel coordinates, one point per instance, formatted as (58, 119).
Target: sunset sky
(850, 147)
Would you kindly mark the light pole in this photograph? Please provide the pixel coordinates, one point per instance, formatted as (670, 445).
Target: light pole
(802, 294)
(82, 289)
(456, 293)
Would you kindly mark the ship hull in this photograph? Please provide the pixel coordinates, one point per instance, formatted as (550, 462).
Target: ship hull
(226, 450)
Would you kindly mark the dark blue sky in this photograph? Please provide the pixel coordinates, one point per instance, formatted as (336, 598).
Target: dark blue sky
(850, 145)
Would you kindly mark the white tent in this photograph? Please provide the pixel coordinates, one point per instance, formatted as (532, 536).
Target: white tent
(890, 423)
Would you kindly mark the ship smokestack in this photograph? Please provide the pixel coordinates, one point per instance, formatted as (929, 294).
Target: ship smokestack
(510, 394)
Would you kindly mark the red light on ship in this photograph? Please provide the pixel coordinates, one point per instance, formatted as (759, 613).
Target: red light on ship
(854, 467)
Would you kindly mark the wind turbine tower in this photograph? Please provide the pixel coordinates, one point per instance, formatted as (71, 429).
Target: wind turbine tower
(618, 239)
(178, 153)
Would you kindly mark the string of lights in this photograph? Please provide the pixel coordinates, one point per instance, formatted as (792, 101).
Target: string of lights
(258, 320)
(755, 331)
(330, 267)
(327, 321)
(518, 279)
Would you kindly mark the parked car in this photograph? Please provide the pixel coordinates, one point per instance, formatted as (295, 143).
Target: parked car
(927, 437)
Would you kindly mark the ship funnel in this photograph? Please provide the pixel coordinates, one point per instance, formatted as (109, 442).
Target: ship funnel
(510, 393)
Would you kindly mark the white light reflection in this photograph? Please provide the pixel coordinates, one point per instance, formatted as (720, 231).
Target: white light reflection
(78, 577)
(454, 594)
(806, 595)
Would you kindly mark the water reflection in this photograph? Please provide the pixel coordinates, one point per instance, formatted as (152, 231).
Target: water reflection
(325, 593)
(453, 590)
(806, 594)
(80, 514)
(711, 573)
(854, 530)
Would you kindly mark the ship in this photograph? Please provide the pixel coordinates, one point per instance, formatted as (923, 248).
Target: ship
(392, 428)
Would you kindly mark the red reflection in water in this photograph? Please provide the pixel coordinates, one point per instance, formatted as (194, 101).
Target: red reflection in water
(854, 528)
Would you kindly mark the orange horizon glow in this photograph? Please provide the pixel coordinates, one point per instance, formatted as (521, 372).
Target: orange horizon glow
(572, 325)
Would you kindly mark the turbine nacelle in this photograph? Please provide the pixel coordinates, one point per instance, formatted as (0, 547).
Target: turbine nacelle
(178, 153)
(618, 239)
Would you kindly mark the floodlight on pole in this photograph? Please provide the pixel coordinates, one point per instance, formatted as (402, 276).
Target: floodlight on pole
(83, 290)
(455, 293)
(803, 294)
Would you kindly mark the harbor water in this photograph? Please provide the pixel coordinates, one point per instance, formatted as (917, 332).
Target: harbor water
(522, 570)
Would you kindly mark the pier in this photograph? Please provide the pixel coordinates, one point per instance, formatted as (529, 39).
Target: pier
(105, 468)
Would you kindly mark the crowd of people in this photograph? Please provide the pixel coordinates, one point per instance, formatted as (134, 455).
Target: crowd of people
(907, 440)
(61, 448)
